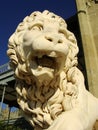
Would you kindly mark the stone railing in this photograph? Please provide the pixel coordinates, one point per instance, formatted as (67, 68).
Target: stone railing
(4, 68)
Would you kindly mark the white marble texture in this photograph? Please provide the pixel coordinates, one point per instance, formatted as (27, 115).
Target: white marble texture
(50, 88)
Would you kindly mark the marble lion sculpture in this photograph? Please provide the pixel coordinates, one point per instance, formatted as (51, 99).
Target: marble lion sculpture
(50, 88)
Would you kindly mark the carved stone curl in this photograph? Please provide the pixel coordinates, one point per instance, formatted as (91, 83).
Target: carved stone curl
(50, 88)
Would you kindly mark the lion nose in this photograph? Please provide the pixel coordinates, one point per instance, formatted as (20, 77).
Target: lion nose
(54, 39)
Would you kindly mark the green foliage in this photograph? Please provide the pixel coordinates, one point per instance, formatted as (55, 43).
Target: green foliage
(4, 126)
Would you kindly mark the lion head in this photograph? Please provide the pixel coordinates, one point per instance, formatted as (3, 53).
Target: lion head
(42, 51)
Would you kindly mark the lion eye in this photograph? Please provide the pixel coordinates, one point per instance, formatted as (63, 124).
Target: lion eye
(63, 32)
(37, 27)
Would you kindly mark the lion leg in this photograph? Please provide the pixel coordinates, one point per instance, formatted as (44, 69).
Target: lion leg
(70, 120)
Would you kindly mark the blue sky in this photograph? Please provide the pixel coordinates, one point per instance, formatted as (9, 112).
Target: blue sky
(12, 13)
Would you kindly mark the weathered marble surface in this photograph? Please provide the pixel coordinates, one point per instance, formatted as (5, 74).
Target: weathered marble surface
(50, 88)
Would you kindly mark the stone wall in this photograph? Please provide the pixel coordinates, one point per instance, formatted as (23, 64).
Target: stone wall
(87, 11)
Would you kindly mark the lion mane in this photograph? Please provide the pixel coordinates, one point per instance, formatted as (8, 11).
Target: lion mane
(42, 105)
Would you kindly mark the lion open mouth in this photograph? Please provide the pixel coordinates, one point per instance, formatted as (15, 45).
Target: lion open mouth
(46, 61)
(49, 61)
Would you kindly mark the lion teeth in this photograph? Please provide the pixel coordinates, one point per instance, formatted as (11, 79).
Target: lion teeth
(39, 68)
(53, 54)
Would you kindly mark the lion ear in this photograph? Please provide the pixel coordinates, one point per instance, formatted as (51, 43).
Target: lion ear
(73, 47)
(73, 52)
(11, 52)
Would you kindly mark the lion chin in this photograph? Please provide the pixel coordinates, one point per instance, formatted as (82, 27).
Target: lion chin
(50, 88)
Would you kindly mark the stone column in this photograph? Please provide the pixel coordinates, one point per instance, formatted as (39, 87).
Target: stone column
(87, 26)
